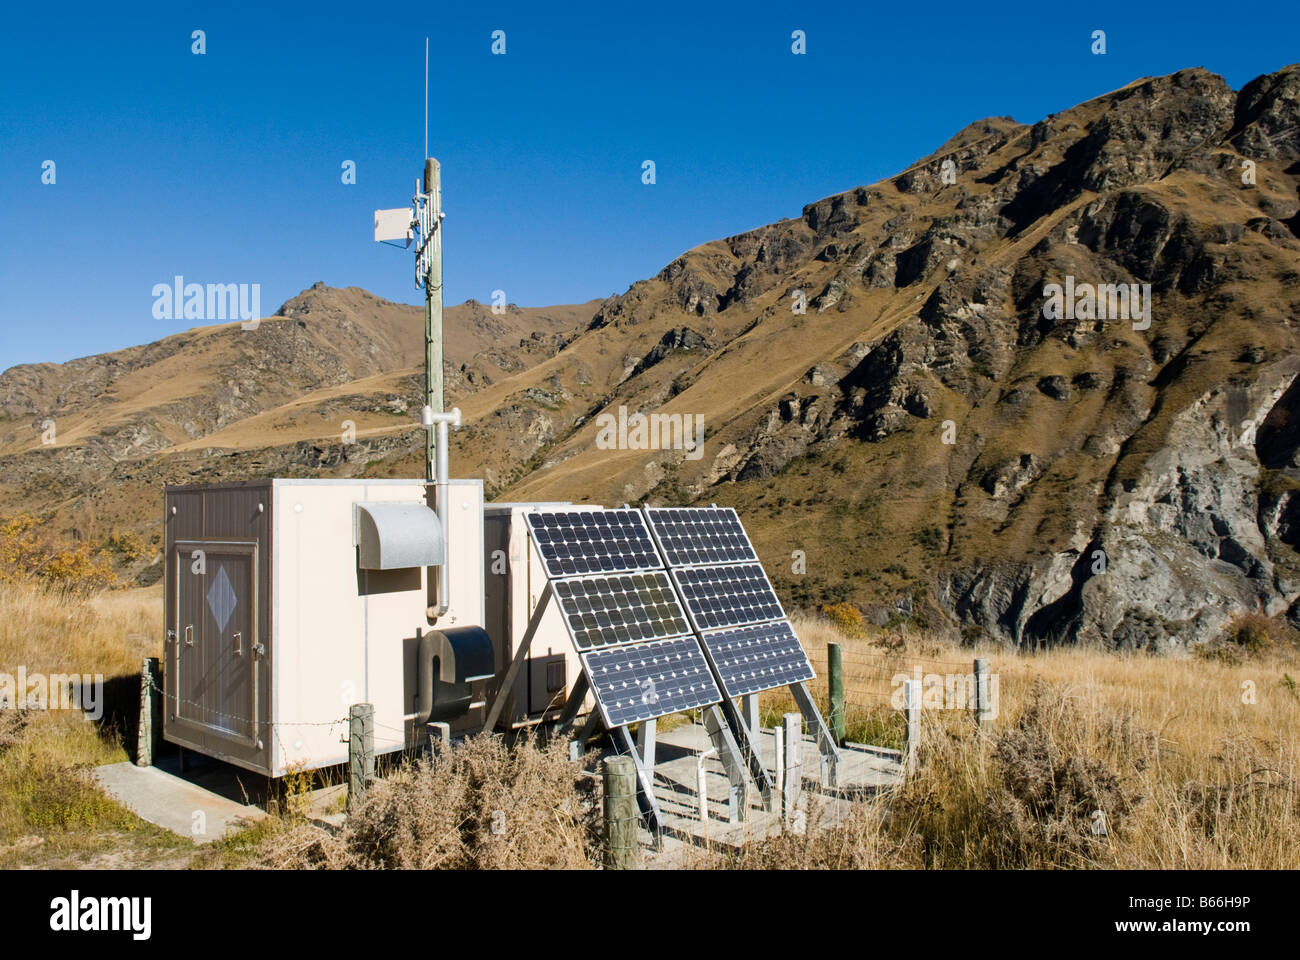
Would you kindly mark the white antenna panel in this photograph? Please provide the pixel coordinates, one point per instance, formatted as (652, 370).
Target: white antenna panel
(395, 224)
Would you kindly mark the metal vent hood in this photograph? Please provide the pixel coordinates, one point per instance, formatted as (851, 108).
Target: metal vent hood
(396, 535)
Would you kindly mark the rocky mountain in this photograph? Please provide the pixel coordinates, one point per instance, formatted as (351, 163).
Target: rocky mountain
(91, 440)
(1039, 386)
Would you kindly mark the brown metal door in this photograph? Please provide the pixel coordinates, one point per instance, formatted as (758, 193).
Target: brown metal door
(216, 646)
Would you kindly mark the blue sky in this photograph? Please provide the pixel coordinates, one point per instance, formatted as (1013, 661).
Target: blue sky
(226, 167)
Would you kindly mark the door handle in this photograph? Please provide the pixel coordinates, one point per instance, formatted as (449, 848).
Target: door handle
(239, 644)
(189, 635)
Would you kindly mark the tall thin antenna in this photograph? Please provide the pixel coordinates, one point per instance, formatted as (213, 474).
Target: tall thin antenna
(426, 96)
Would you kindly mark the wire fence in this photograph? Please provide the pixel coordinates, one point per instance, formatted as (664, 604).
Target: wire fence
(873, 683)
(209, 715)
(871, 677)
(874, 693)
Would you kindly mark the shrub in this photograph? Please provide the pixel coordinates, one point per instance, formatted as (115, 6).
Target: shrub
(482, 805)
(1252, 632)
(1058, 804)
(930, 539)
(1025, 799)
(29, 551)
(846, 617)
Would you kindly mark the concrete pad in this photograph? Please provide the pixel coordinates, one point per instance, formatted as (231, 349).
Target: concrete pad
(864, 771)
(170, 802)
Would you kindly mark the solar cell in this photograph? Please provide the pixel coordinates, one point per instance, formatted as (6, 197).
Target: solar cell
(624, 608)
(728, 596)
(691, 535)
(645, 680)
(577, 542)
(759, 657)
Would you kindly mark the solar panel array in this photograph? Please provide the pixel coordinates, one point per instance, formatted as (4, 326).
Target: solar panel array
(758, 657)
(728, 596)
(638, 644)
(577, 542)
(621, 609)
(701, 535)
(627, 608)
(729, 599)
(641, 681)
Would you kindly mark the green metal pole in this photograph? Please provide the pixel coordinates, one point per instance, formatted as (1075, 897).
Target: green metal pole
(835, 679)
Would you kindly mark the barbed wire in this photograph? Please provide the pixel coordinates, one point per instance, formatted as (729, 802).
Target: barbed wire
(177, 699)
(862, 657)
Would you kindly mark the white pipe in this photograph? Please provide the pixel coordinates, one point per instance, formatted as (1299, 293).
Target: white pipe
(440, 422)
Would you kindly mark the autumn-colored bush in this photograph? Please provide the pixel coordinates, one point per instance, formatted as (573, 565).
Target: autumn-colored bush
(1251, 631)
(29, 550)
(127, 547)
(845, 617)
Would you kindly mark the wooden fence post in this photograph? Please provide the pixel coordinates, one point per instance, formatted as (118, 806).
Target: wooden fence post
(150, 712)
(778, 777)
(983, 699)
(361, 751)
(621, 848)
(912, 702)
(835, 679)
(793, 723)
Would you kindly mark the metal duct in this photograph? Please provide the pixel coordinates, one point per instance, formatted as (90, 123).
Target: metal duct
(395, 535)
(450, 660)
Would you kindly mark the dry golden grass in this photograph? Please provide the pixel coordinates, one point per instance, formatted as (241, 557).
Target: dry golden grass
(1211, 748)
(1192, 762)
(51, 811)
(108, 633)
(483, 805)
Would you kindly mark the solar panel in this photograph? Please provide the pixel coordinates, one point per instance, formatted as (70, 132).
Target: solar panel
(728, 596)
(577, 542)
(624, 608)
(760, 657)
(700, 535)
(646, 680)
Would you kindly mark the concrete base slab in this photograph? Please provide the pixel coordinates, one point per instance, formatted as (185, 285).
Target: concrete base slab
(178, 805)
(863, 772)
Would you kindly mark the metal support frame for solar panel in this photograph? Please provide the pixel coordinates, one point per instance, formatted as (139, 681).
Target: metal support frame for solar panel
(506, 692)
(626, 622)
(712, 540)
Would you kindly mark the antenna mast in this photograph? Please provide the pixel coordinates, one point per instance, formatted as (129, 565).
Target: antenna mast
(428, 270)
(422, 222)
(426, 96)
(428, 273)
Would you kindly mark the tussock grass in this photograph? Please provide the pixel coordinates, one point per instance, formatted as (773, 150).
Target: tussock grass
(1192, 763)
(51, 810)
(1096, 760)
(480, 805)
(52, 632)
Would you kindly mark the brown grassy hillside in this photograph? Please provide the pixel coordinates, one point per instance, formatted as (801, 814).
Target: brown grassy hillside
(922, 441)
